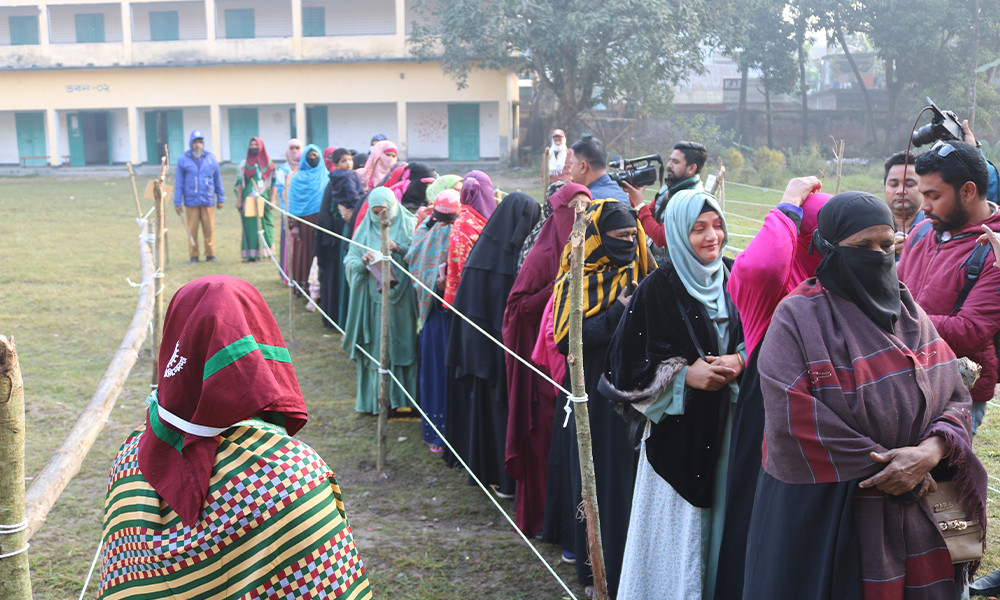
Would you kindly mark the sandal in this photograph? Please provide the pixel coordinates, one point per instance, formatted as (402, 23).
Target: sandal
(435, 448)
(589, 592)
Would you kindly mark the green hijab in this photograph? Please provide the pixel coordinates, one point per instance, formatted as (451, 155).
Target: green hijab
(401, 222)
(704, 282)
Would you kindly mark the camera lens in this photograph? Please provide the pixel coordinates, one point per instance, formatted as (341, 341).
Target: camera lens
(924, 135)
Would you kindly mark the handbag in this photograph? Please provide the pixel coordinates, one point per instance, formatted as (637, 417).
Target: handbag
(963, 536)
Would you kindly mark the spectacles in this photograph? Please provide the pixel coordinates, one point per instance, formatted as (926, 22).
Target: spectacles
(943, 149)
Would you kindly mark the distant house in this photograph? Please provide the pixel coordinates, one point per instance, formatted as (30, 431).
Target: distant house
(101, 83)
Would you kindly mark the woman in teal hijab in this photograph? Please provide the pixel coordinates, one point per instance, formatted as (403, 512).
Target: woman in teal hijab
(363, 326)
(674, 367)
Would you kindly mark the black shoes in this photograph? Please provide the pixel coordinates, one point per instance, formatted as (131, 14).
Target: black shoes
(987, 585)
(192, 260)
(211, 259)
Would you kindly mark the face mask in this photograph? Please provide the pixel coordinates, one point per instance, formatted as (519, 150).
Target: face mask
(253, 151)
(312, 161)
(620, 252)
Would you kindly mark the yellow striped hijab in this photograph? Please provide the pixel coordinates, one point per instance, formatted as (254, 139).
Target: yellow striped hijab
(602, 281)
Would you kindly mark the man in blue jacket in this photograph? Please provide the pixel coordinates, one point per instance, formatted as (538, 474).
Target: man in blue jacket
(198, 178)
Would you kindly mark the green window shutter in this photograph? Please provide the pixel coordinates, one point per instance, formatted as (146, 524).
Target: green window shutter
(23, 31)
(89, 28)
(163, 26)
(313, 21)
(239, 24)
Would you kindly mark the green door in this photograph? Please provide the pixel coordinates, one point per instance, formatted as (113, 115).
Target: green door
(164, 128)
(31, 138)
(163, 26)
(316, 126)
(23, 30)
(74, 128)
(463, 132)
(239, 24)
(89, 28)
(242, 127)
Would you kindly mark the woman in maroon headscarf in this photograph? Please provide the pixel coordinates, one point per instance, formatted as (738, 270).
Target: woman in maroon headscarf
(214, 470)
(531, 398)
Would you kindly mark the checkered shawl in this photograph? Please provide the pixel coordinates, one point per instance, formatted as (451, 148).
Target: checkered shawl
(273, 526)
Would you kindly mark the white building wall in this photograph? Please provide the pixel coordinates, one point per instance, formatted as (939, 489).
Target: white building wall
(427, 130)
(199, 117)
(8, 139)
(272, 18)
(118, 136)
(489, 127)
(275, 127)
(190, 19)
(353, 125)
(62, 22)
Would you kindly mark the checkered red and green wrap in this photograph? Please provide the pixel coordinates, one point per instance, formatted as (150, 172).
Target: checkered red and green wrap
(273, 525)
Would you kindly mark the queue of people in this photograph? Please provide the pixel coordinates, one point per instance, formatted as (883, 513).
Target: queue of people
(764, 427)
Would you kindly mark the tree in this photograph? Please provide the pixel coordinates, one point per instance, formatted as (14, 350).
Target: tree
(585, 52)
(770, 48)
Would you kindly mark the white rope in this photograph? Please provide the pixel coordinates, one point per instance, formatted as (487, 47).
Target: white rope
(744, 217)
(90, 573)
(426, 418)
(434, 294)
(16, 552)
(741, 235)
(569, 406)
(754, 187)
(15, 528)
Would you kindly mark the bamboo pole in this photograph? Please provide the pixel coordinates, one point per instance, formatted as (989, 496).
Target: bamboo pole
(65, 462)
(15, 580)
(135, 191)
(581, 411)
(545, 170)
(383, 380)
(159, 261)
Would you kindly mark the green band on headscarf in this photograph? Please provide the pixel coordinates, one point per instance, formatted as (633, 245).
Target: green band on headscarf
(240, 348)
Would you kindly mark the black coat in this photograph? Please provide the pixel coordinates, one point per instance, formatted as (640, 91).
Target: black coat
(658, 325)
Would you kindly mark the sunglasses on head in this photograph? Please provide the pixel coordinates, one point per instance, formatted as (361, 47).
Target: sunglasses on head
(943, 149)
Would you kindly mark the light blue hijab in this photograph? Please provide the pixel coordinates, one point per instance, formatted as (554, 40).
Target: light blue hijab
(305, 191)
(704, 282)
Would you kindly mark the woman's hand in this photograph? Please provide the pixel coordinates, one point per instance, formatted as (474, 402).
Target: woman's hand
(905, 467)
(733, 361)
(706, 376)
(990, 237)
(345, 213)
(393, 246)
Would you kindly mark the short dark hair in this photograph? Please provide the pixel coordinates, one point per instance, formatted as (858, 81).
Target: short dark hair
(899, 158)
(694, 153)
(339, 154)
(967, 165)
(591, 150)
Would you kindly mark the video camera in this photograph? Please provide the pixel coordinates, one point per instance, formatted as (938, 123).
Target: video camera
(637, 172)
(944, 125)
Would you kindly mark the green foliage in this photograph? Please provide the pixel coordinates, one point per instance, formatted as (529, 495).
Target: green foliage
(807, 160)
(585, 53)
(769, 165)
(733, 160)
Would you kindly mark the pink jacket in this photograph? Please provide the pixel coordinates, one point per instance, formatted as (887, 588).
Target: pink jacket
(935, 273)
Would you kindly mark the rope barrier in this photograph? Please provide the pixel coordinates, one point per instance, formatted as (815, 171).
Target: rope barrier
(755, 187)
(423, 414)
(744, 217)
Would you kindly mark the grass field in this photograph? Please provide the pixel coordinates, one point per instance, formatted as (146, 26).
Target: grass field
(67, 247)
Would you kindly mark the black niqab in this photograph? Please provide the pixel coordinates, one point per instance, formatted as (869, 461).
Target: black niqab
(618, 216)
(865, 277)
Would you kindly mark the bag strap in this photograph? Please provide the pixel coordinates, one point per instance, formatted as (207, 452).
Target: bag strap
(687, 322)
(974, 266)
(919, 234)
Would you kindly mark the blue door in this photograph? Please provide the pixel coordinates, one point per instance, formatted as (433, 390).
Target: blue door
(242, 127)
(463, 132)
(31, 139)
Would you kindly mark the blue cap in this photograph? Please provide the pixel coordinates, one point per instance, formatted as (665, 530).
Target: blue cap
(195, 135)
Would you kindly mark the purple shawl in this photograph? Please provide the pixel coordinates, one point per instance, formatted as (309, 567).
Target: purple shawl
(477, 192)
(836, 387)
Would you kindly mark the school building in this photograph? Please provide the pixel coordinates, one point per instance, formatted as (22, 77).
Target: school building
(90, 83)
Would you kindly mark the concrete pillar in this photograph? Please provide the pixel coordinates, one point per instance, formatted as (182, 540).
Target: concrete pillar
(43, 24)
(126, 11)
(215, 118)
(52, 135)
(210, 20)
(401, 49)
(300, 124)
(132, 116)
(297, 29)
(401, 128)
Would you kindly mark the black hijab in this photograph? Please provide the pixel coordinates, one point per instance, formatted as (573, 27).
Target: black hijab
(618, 216)
(415, 195)
(865, 277)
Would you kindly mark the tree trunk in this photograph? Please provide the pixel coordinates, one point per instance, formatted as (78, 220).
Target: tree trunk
(861, 83)
(800, 41)
(581, 412)
(893, 87)
(973, 78)
(15, 582)
(383, 379)
(742, 113)
(770, 122)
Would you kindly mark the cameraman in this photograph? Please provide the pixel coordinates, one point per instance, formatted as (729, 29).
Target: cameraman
(588, 165)
(953, 181)
(682, 173)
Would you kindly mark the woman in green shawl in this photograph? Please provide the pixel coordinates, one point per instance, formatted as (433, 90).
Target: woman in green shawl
(255, 183)
(364, 325)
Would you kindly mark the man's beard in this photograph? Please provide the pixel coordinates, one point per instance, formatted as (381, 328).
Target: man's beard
(197, 153)
(959, 217)
(672, 179)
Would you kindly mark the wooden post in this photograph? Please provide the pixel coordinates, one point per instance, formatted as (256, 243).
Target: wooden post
(135, 192)
(580, 410)
(383, 358)
(158, 264)
(15, 582)
(838, 154)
